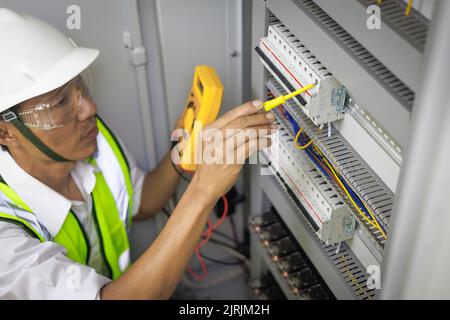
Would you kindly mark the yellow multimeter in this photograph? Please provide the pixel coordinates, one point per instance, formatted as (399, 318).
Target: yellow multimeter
(202, 108)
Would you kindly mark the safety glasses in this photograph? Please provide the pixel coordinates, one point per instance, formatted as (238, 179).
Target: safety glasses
(57, 110)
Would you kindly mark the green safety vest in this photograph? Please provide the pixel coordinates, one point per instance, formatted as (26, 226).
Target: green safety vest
(112, 210)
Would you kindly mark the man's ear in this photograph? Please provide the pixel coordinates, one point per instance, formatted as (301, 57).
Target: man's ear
(7, 137)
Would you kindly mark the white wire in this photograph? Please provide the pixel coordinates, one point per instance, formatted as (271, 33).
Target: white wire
(338, 248)
(231, 251)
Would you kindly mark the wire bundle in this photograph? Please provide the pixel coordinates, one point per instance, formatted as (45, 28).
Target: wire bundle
(303, 142)
(206, 237)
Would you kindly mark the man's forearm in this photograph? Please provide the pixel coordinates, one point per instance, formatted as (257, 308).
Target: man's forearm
(156, 273)
(159, 186)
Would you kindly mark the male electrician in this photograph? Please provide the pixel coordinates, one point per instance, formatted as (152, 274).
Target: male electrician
(69, 189)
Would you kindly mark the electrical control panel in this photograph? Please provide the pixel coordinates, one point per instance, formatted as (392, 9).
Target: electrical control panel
(323, 103)
(336, 159)
(363, 195)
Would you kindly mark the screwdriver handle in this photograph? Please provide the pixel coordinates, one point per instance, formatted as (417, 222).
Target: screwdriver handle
(297, 92)
(269, 105)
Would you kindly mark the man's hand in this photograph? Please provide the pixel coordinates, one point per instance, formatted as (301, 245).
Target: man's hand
(244, 130)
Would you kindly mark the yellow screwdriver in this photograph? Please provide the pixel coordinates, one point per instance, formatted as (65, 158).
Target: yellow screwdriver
(269, 105)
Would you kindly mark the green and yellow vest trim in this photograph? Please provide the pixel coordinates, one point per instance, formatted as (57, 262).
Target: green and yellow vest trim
(112, 209)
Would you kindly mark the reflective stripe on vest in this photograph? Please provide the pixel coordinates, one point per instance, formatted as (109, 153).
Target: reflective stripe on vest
(123, 163)
(112, 204)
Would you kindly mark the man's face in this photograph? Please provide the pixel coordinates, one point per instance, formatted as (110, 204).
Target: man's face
(76, 139)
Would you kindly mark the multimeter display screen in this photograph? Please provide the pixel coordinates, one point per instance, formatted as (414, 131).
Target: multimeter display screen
(200, 86)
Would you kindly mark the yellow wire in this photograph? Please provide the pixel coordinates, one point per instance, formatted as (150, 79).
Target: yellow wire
(348, 195)
(305, 146)
(376, 225)
(373, 217)
(408, 7)
(351, 199)
(300, 147)
(350, 274)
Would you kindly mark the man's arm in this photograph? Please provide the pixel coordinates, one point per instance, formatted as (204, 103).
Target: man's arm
(159, 185)
(156, 273)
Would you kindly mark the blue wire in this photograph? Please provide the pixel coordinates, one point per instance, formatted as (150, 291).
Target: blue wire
(309, 152)
(353, 195)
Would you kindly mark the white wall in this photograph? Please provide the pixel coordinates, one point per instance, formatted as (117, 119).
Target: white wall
(115, 92)
(198, 32)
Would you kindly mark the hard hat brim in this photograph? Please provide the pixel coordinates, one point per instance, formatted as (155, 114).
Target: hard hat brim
(60, 73)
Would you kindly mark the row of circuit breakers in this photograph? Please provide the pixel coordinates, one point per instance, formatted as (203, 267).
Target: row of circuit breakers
(329, 208)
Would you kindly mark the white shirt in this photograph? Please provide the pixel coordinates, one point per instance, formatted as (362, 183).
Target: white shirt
(30, 269)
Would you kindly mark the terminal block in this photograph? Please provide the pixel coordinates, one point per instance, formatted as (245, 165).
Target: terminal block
(271, 233)
(301, 280)
(282, 51)
(281, 248)
(262, 220)
(325, 209)
(316, 292)
(291, 263)
(266, 288)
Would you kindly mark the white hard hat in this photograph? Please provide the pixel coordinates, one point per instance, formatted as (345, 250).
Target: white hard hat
(35, 58)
